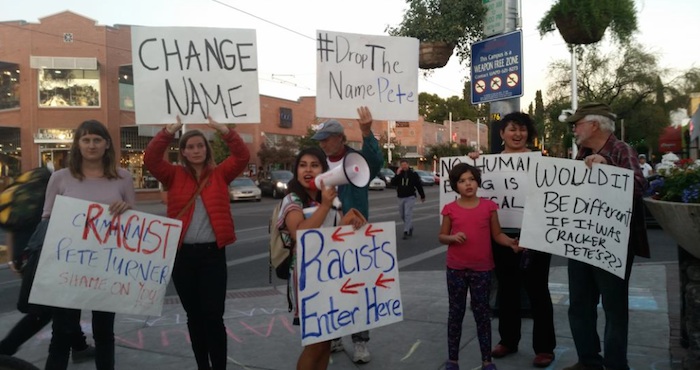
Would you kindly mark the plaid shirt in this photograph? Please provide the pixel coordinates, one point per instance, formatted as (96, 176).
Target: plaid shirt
(620, 154)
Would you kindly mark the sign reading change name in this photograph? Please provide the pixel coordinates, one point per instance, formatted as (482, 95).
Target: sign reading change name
(348, 280)
(579, 212)
(93, 260)
(379, 72)
(195, 72)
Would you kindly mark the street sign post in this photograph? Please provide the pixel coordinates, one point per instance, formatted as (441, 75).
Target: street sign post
(495, 20)
(497, 67)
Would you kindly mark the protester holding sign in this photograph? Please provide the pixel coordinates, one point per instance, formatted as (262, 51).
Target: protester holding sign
(306, 208)
(593, 125)
(468, 224)
(528, 269)
(91, 175)
(198, 196)
(332, 139)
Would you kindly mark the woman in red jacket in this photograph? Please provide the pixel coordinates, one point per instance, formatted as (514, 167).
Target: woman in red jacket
(198, 195)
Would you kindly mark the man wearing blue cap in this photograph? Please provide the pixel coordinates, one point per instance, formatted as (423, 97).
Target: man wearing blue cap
(332, 139)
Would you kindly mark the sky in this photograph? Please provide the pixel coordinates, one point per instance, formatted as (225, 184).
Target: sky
(286, 28)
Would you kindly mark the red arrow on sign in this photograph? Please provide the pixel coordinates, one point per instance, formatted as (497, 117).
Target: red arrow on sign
(380, 282)
(347, 287)
(369, 230)
(337, 235)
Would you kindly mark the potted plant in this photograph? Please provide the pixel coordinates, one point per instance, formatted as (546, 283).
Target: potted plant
(675, 204)
(585, 22)
(442, 25)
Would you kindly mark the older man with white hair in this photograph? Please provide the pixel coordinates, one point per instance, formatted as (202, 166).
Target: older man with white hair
(594, 126)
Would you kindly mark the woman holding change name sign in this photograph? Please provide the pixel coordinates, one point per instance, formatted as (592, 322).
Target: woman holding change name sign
(91, 175)
(198, 195)
(528, 269)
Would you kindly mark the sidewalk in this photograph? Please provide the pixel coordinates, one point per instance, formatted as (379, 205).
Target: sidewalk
(261, 335)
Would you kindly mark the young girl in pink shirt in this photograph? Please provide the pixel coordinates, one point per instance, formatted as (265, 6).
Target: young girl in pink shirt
(468, 224)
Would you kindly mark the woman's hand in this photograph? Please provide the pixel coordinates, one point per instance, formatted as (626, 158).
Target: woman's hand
(223, 129)
(118, 207)
(473, 155)
(328, 194)
(174, 127)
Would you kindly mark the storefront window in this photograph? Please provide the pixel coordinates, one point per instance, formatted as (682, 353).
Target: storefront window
(10, 154)
(9, 85)
(126, 88)
(69, 88)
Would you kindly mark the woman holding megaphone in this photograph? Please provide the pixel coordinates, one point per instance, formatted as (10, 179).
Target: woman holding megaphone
(308, 206)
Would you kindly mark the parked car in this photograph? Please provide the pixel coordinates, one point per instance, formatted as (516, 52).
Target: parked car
(426, 178)
(243, 188)
(377, 184)
(386, 174)
(275, 183)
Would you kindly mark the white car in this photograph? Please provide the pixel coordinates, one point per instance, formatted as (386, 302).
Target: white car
(377, 184)
(243, 188)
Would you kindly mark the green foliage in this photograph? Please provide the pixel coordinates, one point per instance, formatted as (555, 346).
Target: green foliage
(449, 150)
(218, 146)
(457, 22)
(594, 16)
(306, 141)
(436, 109)
(280, 156)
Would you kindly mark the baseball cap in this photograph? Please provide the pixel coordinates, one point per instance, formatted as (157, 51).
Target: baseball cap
(598, 109)
(642, 156)
(328, 128)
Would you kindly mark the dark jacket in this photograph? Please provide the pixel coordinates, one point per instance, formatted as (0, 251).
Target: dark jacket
(407, 182)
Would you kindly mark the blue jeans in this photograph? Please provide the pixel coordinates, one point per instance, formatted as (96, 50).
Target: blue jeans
(406, 212)
(65, 323)
(586, 285)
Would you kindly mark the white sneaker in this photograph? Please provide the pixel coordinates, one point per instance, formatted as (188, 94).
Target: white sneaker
(361, 353)
(337, 345)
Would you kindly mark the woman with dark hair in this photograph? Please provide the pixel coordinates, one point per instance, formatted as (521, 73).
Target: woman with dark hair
(528, 269)
(305, 207)
(92, 175)
(198, 196)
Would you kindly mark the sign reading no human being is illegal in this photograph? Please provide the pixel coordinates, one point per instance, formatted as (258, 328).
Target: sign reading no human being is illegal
(579, 212)
(194, 72)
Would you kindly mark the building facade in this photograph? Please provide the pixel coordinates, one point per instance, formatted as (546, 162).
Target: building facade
(66, 69)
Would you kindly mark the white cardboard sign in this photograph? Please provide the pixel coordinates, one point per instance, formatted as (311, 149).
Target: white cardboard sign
(579, 212)
(380, 72)
(504, 180)
(348, 280)
(194, 72)
(91, 260)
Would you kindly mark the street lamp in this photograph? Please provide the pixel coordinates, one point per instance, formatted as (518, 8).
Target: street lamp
(566, 113)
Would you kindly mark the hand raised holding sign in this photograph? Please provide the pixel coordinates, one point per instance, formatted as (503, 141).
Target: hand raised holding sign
(223, 129)
(365, 120)
(174, 127)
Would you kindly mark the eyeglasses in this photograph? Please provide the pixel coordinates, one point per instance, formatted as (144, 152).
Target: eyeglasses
(574, 125)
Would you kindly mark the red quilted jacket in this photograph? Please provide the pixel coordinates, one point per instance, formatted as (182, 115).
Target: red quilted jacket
(182, 185)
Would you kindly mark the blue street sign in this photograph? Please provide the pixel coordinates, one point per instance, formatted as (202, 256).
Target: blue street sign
(497, 68)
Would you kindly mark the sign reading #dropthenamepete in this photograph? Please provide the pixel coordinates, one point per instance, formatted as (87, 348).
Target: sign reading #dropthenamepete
(93, 260)
(195, 72)
(579, 212)
(380, 72)
(348, 280)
